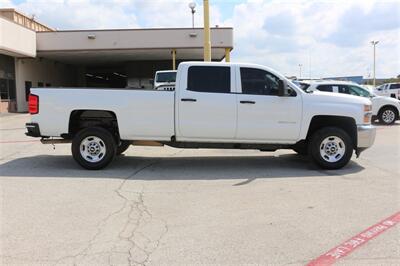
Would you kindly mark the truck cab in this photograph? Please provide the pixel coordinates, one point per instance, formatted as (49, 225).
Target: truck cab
(389, 90)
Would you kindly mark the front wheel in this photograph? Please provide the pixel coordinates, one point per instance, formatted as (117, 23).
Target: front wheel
(387, 116)
(331, 148)
(93, 148)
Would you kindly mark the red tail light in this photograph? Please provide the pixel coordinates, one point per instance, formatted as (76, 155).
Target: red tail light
(33, 104)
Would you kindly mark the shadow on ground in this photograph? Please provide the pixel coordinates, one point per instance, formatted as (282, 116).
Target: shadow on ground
(175, 168)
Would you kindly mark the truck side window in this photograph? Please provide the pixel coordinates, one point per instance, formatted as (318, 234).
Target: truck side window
(212, 79)
(354, 90)
(327, 88)
(394, 86)
(344, 89)
(258, 82)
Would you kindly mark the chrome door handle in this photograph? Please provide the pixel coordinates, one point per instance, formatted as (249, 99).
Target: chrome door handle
(188, 100)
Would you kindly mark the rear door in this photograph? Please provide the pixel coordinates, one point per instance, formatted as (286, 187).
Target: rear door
(206, 104)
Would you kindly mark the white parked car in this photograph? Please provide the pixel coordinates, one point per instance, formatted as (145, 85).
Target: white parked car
(385, 109)
(389, 89)
(214, 105)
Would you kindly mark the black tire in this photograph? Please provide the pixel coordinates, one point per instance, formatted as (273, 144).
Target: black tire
(123, 146)
(330, 135)
(105, 146)
(301, 150)
(387, 115)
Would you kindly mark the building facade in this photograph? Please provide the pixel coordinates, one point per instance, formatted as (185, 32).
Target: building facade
(34, 55)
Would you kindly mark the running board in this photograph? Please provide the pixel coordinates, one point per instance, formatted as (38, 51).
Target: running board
(147, 143)
(55, 141)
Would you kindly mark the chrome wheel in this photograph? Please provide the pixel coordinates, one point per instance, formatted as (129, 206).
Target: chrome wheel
(332, 149)
(388, 116)
(92, 149)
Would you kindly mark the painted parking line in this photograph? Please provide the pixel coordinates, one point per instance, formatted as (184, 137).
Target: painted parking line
(355, 242)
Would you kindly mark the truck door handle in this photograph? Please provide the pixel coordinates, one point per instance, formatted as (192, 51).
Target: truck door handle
(188, 100)
(247, 102)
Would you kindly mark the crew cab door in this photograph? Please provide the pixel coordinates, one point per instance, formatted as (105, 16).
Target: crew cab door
(206, 108)
(262, 114)
(384, 90)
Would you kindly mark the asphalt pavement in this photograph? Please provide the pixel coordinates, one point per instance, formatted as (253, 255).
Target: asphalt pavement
(167, 206)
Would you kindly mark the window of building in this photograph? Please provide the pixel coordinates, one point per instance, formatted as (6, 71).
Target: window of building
(40, 84)
(209, 79)
(258, 82)
(7, 89)
(48, 85)
(7, 80)
(28, 86)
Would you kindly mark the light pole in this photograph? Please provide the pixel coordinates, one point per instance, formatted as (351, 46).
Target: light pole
(207, 35)
(300, 65)
(374, 43)
(192, 6)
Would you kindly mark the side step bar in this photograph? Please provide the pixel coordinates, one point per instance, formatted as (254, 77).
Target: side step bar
(134, 142)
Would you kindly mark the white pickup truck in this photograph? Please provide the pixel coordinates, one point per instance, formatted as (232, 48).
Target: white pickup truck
(214, 105)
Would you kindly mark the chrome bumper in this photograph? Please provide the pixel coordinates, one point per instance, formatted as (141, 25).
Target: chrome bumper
(365, 136)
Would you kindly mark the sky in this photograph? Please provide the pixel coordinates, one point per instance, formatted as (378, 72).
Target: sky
(327, 38)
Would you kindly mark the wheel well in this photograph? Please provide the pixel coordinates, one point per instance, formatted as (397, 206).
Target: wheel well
(348, 124)
(80, 119)
(391, 107)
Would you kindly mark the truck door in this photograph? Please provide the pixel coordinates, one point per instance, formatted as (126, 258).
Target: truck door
(206, 104)
(262, 114)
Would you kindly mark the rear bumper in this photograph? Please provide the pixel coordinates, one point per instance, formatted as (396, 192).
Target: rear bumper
(33, 130)
(365, 137)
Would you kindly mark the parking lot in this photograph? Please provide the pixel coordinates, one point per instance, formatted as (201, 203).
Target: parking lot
(171, 206)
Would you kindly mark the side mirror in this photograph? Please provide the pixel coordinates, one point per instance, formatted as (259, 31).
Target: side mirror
(151, 81)
(281, 88)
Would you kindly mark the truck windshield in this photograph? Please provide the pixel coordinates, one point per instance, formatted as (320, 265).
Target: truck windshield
(166, 77)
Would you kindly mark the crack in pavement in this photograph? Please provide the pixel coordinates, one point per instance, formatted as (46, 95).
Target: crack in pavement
(126, 236)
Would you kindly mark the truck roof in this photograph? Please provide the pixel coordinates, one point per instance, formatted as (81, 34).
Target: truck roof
(202, 63)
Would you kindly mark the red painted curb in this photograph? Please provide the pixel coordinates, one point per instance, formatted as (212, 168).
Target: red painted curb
(355, 242)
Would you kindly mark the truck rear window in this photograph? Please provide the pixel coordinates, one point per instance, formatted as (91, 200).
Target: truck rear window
(214, 79)
(166, 77)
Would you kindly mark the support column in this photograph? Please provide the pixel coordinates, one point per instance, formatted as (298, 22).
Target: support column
(207, 38)
(227, 55)
(173, 52)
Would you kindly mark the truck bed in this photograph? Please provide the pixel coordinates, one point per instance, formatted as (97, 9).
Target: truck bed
(141, 114)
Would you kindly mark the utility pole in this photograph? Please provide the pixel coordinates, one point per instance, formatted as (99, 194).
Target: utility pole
(300, 65)
(374, 43)
(309, 64)
(207, 35)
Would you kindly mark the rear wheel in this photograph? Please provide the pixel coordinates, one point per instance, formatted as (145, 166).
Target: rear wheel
(387, 115)
(93, 148)
(331, 148)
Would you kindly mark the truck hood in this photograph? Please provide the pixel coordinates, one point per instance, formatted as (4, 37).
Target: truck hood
(388, 100)
(339, 97)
